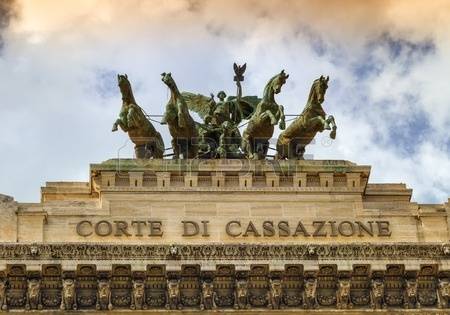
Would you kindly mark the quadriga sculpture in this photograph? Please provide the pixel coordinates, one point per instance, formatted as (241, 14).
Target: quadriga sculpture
(68, 296)
(292, 142)
(219, 135)
(148, 142)
(260, 128)
(182, 127)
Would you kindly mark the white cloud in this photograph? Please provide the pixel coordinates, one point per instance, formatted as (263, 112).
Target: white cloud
(57, 116)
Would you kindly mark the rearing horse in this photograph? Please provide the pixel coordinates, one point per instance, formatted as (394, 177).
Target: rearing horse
(182, 127)
(292, 142)
(148, 142)
(255, 139)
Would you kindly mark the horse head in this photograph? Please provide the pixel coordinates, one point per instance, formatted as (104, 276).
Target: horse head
(319, 89)
(124, 84)
(125, 87)
(277, 82)
(168, 80)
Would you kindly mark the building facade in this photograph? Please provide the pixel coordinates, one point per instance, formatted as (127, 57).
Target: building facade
(225, 236)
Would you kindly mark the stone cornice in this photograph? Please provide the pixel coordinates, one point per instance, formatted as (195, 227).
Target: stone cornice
(197, 165)
(95, 251)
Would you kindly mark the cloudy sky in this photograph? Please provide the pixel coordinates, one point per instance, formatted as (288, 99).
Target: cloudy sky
(388, 62)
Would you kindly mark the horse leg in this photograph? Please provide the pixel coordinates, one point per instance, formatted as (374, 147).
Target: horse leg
(149, 150)
(168, 114)
(259, 154)
(265, 147)
(182, 121)
(175, 148)
(332, 123)
(299, 151)
(330, 120)
(191, 148)
(326, 123)
(245, 145)
(281, 117)
(273, 119)
(114, 127)
(318, 123)
(250, 148)
(295, 149)
(121, 124)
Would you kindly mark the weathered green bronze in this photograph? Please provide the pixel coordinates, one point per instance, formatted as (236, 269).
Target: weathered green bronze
(292, 142)
(182, 127)
(255, 140)
(219, 134)
(148, 142)
(232, 108)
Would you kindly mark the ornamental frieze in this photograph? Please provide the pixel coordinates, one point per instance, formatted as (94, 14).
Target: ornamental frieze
(223, 251)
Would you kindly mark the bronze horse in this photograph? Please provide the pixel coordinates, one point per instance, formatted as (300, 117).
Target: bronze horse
(182, 127)
(148, 142)
(292, 142)
(255, 139)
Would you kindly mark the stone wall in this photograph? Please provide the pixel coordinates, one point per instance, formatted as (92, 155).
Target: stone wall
(168, 234)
